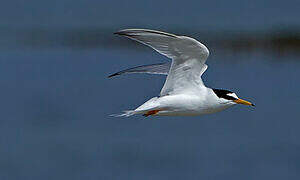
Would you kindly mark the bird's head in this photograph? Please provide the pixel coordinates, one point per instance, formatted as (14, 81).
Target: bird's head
(228, 97)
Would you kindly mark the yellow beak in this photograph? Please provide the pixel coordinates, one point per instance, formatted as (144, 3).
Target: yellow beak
(241, 101)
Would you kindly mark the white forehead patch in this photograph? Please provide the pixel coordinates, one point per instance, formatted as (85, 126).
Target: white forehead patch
(232, 95)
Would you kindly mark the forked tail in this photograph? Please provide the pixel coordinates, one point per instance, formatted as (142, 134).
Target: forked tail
(125, 114)
(133, 112)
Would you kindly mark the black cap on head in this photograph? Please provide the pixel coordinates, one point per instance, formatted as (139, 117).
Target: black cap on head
(221, 93)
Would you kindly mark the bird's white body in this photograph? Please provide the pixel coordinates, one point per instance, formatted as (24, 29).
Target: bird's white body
(187, 104)
(184, 93)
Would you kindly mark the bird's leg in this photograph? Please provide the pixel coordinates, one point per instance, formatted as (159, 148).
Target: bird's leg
(153, 112)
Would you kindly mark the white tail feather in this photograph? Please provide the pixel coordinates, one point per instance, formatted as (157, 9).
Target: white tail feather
(125, 114)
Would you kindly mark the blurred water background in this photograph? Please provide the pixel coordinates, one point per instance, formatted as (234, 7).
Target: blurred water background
(55, 57)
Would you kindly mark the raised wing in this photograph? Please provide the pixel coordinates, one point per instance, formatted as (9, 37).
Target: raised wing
(188, 58)
(160, 68)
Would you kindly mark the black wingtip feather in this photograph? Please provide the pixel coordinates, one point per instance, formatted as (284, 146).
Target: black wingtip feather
(119, 33)
(122, 33)
(133, 32)
(112, 75)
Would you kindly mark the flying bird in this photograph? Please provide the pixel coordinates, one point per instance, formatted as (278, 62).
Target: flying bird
(184, 93)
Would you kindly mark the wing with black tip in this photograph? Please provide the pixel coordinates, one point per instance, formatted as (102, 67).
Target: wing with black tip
(160, 68)
(188, 58)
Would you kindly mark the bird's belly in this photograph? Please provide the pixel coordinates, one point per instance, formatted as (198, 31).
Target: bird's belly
(189, 112)
(188, 106)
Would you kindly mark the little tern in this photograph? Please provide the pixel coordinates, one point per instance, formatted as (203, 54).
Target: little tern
(183, 93)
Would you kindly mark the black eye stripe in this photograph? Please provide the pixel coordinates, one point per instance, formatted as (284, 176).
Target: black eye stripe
(221, 93)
